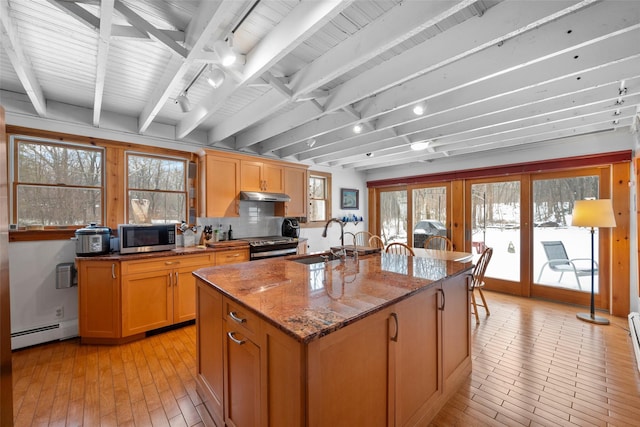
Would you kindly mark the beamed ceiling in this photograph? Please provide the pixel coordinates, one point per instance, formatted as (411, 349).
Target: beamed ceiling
(491, 75)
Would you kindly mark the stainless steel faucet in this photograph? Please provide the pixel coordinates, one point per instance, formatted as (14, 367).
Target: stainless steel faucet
(324, 233)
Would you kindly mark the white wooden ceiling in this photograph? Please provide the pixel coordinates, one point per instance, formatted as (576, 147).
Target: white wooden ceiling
(493, 75)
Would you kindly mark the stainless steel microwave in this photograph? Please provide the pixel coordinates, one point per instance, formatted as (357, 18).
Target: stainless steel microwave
(136, 238)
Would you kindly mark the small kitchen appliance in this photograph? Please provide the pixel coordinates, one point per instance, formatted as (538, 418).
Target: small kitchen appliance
(92, 240)
(135, 238)
(291, 228)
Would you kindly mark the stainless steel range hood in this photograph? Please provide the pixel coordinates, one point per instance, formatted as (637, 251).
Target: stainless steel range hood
(258, 196)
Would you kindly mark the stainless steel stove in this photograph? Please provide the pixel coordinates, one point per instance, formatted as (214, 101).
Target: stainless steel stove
(271, 246)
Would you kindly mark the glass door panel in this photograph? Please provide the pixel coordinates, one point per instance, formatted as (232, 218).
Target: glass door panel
(429, 214)
(393, 216)
(495, 223)
(554, 239)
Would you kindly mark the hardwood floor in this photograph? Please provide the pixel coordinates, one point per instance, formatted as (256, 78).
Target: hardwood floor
(534, 364)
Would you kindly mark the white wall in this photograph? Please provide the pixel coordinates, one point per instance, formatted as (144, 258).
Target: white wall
(32, 283)
(340, 178)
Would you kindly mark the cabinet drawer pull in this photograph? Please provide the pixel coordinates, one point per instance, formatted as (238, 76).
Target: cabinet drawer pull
(234, 339)
(235, 317)
(395, 336)
(171, 262)
(443, 299)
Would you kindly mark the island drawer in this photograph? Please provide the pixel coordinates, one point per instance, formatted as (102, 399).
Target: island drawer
(239, 318)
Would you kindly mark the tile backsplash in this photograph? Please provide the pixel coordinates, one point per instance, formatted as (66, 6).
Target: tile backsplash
(256, 219)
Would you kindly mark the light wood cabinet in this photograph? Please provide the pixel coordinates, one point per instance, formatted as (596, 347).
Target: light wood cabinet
(159, 293)
(261, 176)
(120, 300)
(99, 299)
(231, 256)
(415, 349)
(209, 350)
(224, 175)
(397, 366)
(220, 186)
(347, 374)
(296, 183)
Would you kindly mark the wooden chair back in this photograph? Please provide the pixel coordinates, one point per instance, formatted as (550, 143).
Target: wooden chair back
(440, 243)
(399, 248)
(376, 242)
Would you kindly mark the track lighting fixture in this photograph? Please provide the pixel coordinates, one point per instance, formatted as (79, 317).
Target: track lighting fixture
(225, 52)
(311, 142)
(215, 77)
(419, 109)
(357, 128)
(419, 146)
(183, 102)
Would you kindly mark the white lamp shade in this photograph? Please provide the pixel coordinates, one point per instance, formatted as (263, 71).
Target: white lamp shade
(593, 213)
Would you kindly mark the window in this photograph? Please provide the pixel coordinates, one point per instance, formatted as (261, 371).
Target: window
(319, 196)
(156, 189)
(57, 184)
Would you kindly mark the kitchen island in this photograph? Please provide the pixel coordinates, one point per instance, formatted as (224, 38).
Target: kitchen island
(381, 340)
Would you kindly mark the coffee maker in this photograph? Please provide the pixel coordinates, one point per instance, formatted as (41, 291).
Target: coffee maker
(291, 228)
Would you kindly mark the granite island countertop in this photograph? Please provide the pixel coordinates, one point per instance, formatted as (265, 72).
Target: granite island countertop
(310, 301)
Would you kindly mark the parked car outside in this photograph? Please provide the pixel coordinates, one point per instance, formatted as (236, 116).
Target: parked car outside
(427, 228)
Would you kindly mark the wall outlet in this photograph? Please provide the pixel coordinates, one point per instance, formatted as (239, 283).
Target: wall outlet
(59, 312)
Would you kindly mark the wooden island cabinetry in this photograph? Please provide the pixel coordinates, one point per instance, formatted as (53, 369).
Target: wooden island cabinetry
(122, 298)
(396, 365)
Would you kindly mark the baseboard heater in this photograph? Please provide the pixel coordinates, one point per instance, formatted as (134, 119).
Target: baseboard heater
(634, 330)
(42, 334)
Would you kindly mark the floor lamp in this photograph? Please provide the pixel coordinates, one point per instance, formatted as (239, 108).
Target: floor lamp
(593, 213)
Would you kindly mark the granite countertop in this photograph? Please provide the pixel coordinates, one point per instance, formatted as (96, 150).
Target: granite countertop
(310, 301)
(192, 250)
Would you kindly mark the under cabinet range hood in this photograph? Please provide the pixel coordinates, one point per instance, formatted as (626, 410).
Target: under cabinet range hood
(259, 196)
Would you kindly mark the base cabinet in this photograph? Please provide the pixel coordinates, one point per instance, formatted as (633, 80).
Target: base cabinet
(120, 300)
(386, 369)
(99, 299)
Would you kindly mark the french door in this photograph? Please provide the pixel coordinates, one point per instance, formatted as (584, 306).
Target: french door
(526, 219)
(409, 214)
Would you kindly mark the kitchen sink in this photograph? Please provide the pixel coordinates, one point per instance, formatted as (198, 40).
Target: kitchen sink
(314, 258)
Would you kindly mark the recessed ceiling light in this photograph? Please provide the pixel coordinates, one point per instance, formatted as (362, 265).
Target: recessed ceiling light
(419, 109)
(357, 128)
(419, 146)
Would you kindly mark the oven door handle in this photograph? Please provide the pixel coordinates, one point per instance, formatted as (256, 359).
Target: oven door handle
(275, 253)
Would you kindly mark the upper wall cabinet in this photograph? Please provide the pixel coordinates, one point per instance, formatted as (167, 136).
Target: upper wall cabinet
(224, 175)
(220, 185)
(295, 185)
(261, 176)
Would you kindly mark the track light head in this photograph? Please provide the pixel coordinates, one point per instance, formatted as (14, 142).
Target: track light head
(311, 142)
(215, 77)
(419, 109)
(357, 128)
(225, 52)
(183, 102)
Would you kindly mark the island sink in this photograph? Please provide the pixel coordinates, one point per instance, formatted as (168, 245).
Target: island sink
(315, 258)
